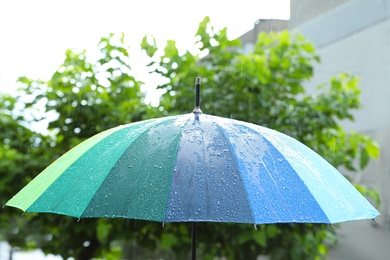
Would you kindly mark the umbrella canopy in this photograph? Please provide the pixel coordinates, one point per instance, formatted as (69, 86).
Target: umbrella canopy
(192, 168)
(195, 168)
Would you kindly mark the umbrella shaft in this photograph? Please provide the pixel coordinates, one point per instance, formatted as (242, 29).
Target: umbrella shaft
(197, 92)
(193, 241)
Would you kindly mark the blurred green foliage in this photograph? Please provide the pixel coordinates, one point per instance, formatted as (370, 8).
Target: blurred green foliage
(83, 97)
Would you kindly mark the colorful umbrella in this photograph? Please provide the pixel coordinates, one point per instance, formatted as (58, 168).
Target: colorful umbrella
(195, 168)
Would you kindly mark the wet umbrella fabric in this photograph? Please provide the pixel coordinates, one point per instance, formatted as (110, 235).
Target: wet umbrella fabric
(195, 168)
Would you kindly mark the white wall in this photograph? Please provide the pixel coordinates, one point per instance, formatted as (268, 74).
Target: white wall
(365, 53)
(355, 37)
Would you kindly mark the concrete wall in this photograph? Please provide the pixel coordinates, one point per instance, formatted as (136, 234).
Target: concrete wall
(304, 10)
(262, 25)
(354, 36)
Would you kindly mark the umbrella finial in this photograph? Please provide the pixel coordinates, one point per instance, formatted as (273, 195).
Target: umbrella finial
(197, 97)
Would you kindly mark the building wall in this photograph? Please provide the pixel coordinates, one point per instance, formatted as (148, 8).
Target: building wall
(262, 25)
(354, 36)
(304, 10)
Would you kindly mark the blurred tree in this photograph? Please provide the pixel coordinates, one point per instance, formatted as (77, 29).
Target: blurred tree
(82, 98)
(263, 87)
(23, 154)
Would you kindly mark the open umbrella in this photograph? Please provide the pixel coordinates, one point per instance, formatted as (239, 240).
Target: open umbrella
(195, 168)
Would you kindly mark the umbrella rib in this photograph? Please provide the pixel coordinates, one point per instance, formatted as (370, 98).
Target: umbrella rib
(52, 170)
(157, 121)
(287, 161)
(307, 165)
(270, 175)
(236, 163)
(277, 188)
(170, 184)
(65, 194)
(330, 189)
(206, 170)
(254, 168)
(75, 181)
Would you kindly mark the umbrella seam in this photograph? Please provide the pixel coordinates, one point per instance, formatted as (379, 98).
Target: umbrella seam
(236, 163)
(314, 199)
(51, 166)
(157, 121)
(263, 151)
(52, 208)
(271, 177)
(270, 204)
(171, 180)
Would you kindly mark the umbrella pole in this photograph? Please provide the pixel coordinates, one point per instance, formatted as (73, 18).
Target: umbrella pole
(193, 241)
(197, 97)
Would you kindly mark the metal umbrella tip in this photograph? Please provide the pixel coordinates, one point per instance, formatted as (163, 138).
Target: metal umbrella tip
(197, 109)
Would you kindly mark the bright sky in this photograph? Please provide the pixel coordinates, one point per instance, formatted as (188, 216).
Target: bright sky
(35, 34)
